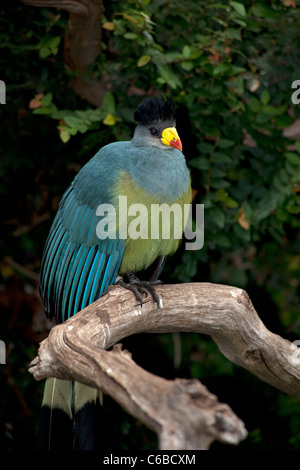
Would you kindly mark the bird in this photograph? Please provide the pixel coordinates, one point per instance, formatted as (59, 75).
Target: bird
(78, 266)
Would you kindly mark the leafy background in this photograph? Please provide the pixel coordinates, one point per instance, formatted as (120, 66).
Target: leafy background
(229, 67)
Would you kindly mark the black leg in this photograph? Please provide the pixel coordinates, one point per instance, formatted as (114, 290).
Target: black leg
(161, 262)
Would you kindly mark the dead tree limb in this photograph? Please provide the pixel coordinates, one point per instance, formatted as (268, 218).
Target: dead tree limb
(175, 410)
(183, 413)
(82, 44)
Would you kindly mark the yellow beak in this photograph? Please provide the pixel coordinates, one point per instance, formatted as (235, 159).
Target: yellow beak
(170, 137)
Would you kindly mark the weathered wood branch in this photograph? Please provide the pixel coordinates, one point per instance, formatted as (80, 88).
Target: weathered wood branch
(82, 44)
(183, 413)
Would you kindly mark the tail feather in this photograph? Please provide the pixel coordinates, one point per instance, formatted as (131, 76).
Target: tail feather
(68, 416)
(85, 423)
(55, 426)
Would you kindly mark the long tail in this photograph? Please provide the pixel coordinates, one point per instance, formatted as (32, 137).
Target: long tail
(68, 418)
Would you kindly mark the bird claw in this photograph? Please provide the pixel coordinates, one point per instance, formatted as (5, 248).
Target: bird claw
(139, 288)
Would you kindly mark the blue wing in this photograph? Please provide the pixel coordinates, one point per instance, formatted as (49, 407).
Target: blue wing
(77, 267)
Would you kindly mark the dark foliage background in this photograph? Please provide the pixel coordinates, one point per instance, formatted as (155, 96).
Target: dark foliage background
(229, 67)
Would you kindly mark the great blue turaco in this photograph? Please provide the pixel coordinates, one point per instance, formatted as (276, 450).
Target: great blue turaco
(77, 266)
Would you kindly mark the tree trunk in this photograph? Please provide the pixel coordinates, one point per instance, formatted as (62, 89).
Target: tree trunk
(82, 45)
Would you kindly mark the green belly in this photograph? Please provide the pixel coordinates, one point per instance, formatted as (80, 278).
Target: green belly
(158, 226)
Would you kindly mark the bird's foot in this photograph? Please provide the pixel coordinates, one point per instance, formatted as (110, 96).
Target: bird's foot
(138, 287)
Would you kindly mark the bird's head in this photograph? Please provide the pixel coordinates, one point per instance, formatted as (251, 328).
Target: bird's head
(156, 118)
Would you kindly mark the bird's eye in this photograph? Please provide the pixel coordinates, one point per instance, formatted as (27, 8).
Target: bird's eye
(153, 131)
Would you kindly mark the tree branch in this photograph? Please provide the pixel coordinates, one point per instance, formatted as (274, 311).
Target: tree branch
(183, 413)
(82, 44)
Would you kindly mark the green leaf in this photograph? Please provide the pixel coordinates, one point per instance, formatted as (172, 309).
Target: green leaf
(218, 216)
(292, 157)
(219, 20)
(278, 185)
(82, 114)
(222, 196)
(234, 33)
(44, 52)
(96, 115)
(293, 208)
(195, 54)
(72, 130)
(222, 240)
(284, 176)
(255, 104)
(296, 176)
(47, 99)
(248, 210)
(297, 143)
(43, 111)
(143, 60)
(64, 136)
(262, 118)
(219, 183)
(273, 111)
(82, 128)
(237, 85)
(263, 11)
(72, 121)
(282, 215)
(230, 203)
(108, 104)
(239, 8)
(220, 157)
(284, 121)
(186, 65)
(225, 143)
(200, 163)
(216, 172)
(130, 36)
(204, 147)
(265, 97)
(289, 168)
(235, 17)
(218, 5)
(49, 45)
(235, 69)
(221, 68)
(265, 206)
(242, 233)
(186, 52)
(169, 76)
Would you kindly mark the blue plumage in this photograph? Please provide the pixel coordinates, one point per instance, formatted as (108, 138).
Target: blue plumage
(78, 267)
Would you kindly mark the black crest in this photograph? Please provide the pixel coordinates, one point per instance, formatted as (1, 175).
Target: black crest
(154, 110)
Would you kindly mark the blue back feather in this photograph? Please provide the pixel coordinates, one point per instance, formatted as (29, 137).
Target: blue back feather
(77, 267)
